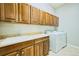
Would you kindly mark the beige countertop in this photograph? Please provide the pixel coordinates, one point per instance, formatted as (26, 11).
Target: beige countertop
(13, 40)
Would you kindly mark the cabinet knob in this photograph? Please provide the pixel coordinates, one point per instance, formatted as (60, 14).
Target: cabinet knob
(17, 54)
(22, 52)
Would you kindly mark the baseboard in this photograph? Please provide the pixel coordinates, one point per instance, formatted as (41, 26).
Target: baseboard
(73, 46)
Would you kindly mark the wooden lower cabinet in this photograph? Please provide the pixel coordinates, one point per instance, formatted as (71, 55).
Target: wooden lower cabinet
(36, 47)
(13, 54)
(28, 51)
(39, 49)
(46, 47)
(42, 47)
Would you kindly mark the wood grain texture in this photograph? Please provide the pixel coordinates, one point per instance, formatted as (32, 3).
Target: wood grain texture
(28, 51)
(24, 13)
(15, 53)
(47, 19)
(10, 11)
(56, 21)
(35, 15)
(42, 17)
(11, 48)
(39, 49)
(0, 11)
(36, 47)
(27, 14)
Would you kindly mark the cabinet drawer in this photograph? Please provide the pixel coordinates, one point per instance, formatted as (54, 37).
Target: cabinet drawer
(38, 40)
(41, 39)
(45, 39)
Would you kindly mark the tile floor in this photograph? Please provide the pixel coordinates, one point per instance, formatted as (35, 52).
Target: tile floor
(67, 51)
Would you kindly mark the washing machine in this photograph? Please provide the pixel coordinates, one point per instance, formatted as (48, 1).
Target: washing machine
(58, 40)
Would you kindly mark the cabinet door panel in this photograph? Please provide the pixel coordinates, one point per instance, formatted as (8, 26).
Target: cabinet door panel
(13, 54)
(47, 19)
(10, 11)
(51, 20)
(28, 51)
(0, 11)
(24, 13)
(56, 21)
(42, 17)
(39, 49)
(45, 47)
(35, 15)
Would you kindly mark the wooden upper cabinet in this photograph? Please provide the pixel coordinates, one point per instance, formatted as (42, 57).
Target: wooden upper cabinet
(47, 19)
(42, 17)
(51, 20)
(35, 15)
(24, 13)
(56, 20)
(11, 12)
(0, 11)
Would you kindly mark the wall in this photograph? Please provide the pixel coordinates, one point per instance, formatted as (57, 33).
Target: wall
(69, 22)
(11, 28)
(44, 6)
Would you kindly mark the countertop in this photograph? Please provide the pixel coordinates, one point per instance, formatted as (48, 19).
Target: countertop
(18, 39)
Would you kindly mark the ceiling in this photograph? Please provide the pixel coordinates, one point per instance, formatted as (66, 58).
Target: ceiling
(57, 5)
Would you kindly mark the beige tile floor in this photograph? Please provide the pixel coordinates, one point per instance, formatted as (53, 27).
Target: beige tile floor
(67, 51)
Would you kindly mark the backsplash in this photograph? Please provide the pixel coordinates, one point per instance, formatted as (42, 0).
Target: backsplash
(16, 28)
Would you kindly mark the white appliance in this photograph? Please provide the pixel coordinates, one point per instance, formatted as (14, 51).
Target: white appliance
(58, 40)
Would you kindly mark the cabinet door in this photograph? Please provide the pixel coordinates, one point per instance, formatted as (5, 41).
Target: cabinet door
(11, 12)
(35, 15)
(24, 13)
(13, 54)
(47, 19)
(39, 49)
(0, 11)
(42, 17)
(56, 21)
(28, 51)
(51, 20)
(46, 47)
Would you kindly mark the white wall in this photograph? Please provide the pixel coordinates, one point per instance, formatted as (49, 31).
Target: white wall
(9, 28)
(44, 6)
(13, 28)
(69, 22)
